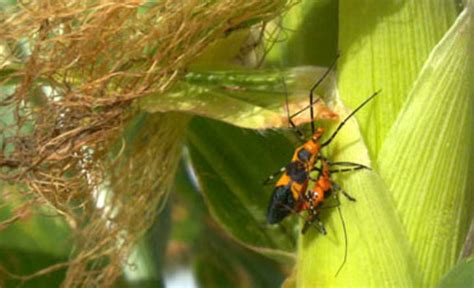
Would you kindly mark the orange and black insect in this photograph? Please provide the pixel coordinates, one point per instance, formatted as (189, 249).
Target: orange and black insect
(292, 184)
(290, 193)
(324, 186)
(314, 198)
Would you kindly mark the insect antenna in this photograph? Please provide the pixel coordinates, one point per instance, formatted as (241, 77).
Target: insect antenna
(312, 102)
(348, 117)
(286, 100)
(290, 117)
(311, 111)
(345, 238)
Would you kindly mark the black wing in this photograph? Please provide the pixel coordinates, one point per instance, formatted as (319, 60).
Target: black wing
(281, 204)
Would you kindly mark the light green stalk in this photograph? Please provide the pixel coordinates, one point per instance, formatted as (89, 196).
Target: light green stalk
(412, 211)
(425, 157)
(383, 45)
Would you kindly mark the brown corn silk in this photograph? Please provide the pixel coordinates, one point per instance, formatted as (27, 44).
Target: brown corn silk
(72, 71)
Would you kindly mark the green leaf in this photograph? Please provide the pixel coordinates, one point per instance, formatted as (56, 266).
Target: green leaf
(146, 260)
(307, 35)
(231, 164)
(221, 262)
(218, 260)
(7, 3)
(383, 45)
(24, 263)
(188, 203)
(378, 253)
(221, 53)
(426, 156)
(380, 48)
(37, 230)
(249, 99)
(34, 241)
(462, 275)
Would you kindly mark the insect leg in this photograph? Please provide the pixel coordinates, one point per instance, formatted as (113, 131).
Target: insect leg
(337, 187)
(347, 169)
(271, 178)
(310, 221)
(349, 164)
